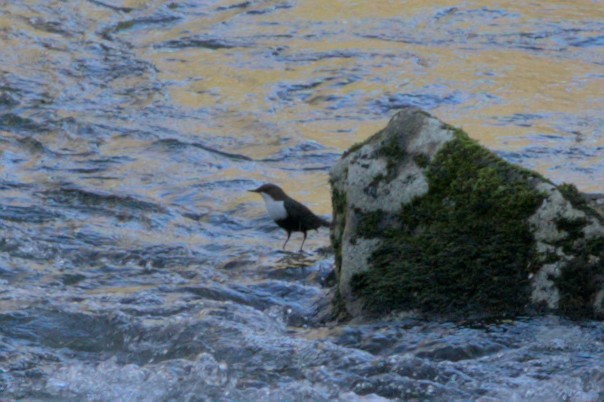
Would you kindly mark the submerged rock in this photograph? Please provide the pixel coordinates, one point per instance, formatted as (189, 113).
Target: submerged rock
(427, 219)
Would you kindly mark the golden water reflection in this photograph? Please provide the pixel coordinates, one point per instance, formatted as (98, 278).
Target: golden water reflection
(519, 82)
(376, 49)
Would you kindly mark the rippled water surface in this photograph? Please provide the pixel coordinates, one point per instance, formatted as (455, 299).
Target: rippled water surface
(135, 266)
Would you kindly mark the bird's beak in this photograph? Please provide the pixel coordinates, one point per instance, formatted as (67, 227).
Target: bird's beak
(253, 191)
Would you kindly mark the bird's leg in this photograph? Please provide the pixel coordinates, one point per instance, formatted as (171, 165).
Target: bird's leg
(286, 240)
(303, 240)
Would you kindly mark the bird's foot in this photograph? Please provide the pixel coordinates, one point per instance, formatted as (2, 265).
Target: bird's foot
(302, 252)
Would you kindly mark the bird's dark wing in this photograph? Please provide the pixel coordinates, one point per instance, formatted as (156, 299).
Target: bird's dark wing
(300, 213)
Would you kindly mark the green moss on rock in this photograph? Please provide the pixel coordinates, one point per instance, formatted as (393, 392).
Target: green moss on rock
(354, 147)
(465, 245)
(573, 229)
(579, 281)
(422, 160)
(357, 146)
(583, 276)
(370, 223)
(595, 247)
(338, 201)
(578, 200)
(392, 152)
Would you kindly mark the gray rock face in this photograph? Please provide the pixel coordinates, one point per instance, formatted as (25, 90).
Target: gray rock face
(427, 219)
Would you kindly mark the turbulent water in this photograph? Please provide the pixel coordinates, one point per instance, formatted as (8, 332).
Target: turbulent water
(135, 266)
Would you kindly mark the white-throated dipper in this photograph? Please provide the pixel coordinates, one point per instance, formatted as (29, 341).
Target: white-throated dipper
(289, 213)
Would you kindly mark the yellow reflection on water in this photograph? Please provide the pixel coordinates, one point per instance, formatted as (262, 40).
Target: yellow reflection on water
(244, 91)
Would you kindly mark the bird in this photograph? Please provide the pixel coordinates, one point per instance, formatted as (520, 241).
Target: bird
(288, 213)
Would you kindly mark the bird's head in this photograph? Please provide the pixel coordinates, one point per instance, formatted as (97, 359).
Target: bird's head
(273, 191)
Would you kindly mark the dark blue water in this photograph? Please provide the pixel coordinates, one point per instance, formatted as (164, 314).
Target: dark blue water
(134, 265)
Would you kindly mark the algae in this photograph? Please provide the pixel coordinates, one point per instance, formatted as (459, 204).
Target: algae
(338, 201)
(423, 161)
(359, 145)
(578, 200)
(463, 246)
(583, 276)
(578, 283)
(393, 153)
(354, 147)
(573, 230)
(370, 223)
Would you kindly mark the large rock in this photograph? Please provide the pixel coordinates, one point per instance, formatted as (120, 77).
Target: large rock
(426, 219)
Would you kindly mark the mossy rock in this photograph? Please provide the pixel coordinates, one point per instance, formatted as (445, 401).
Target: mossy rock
(429, 220)
(464, 245)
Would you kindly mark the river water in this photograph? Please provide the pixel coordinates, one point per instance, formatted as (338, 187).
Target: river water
(135, 266)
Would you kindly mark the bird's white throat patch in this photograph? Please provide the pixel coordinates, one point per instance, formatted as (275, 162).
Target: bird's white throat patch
(275, 209)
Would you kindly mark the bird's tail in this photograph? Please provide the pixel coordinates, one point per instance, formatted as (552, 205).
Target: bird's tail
(325, 222)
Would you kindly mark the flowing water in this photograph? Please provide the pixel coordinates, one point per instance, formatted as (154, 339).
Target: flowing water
(135, 266)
